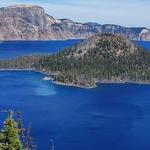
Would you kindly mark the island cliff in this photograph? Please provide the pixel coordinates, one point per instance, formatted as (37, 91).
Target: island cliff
(29, 22)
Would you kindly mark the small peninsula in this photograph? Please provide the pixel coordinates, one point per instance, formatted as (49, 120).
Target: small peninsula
(103, 58)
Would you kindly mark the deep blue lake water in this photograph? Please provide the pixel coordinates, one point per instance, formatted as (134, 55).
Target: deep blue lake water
(110, 117)
(144, 44)
(12, 49)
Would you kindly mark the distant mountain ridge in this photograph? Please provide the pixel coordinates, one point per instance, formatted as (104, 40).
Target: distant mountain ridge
(30, 22)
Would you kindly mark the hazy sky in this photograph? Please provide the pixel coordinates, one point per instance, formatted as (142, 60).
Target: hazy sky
(122, 12)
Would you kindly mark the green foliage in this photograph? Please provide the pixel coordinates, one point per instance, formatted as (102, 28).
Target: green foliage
(9, 135)
(28, 140)
(112, 58)
(13, 135)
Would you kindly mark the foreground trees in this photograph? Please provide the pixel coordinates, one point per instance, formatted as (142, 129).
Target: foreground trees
(9, 136)
(13, 135)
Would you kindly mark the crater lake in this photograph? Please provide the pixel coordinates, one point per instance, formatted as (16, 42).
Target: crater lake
(109, 117)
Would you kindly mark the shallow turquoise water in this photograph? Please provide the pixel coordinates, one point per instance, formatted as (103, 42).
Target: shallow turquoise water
(109, 117)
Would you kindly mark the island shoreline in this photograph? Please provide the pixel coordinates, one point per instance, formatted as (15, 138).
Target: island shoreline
(49, 76)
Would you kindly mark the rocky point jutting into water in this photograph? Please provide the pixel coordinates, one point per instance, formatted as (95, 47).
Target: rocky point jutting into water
(29, 22)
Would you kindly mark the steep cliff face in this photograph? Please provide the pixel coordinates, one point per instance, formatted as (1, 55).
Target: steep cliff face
(28, 22)
(21, 22)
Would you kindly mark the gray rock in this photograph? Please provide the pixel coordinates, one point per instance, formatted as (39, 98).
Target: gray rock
(29, 22)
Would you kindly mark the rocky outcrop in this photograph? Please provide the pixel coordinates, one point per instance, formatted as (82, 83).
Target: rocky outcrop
(28, 22)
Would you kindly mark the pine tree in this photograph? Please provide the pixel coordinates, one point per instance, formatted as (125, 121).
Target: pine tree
(20, 124)
(29, 142)
(9, 135)
(25, 134)
(21, 129)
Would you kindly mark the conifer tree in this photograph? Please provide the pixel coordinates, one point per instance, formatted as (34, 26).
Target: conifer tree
(29, 142)
(9, 135)
(20, 124)
(21, 129)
